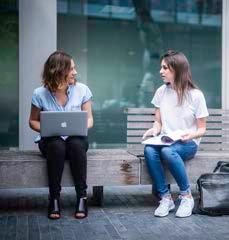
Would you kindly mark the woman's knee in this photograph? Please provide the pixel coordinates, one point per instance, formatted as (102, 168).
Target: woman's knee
(56, 145)
(151, 154)
(77, 144)
(167, 153)
(149, 149)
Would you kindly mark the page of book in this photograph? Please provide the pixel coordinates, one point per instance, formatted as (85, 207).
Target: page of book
(156, 141)
(164, 139)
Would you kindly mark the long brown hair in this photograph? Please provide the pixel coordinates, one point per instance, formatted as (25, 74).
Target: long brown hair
(56, 69)
(178, 62)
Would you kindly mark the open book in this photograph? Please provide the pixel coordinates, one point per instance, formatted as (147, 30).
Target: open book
(165, 139)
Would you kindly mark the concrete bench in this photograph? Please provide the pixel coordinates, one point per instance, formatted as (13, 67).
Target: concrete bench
(108, 167)
(20, 169)
(213, 148)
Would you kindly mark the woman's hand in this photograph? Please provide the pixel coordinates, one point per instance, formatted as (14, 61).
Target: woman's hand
(187, 137)
(150, 132)
(201, 129)
(156, 129)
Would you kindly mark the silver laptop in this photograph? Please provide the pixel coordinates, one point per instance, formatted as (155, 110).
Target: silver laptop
(55, 123)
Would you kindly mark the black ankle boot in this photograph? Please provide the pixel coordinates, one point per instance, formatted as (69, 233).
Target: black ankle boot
(54, 208)
(81, 207)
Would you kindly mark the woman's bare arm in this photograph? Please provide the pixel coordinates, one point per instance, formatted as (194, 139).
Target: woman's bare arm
(156, 129)
(87, 107)
(34, 119)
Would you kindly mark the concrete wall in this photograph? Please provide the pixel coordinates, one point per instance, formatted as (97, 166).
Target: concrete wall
(37, 39)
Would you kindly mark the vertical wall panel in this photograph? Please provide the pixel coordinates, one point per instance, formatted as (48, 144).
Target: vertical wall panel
(37, 39)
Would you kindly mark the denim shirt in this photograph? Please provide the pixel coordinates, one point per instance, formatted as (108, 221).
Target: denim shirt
(45, 100)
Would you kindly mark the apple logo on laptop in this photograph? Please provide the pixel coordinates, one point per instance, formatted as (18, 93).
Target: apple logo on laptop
(63, 124)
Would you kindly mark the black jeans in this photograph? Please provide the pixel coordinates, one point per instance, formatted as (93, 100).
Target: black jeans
(56, 150)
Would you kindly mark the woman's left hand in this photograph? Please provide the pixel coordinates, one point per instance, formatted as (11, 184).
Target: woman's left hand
(186, 137)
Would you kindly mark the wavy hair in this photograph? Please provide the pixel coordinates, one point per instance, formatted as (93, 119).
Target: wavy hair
(56, 69)
(178, 62)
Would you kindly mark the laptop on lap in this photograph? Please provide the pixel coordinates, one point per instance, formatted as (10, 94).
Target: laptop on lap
(56, 123)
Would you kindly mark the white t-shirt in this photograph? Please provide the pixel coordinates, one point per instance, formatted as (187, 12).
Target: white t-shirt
(180, 117)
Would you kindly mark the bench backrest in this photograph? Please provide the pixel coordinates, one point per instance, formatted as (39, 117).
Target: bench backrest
(216, 137)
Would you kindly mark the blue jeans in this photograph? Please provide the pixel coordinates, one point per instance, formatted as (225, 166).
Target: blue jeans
(174, 155)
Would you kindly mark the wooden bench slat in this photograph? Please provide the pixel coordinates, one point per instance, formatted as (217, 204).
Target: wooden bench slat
(144, 125)
(139, 125)
(139, 110)
(151, 110)
(150, 117)
(136, 118)
(212, 132)
(217, 111)
(213, 147)
(135, 132)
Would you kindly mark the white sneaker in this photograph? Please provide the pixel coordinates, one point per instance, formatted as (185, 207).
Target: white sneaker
(166, 205)
(186, 206)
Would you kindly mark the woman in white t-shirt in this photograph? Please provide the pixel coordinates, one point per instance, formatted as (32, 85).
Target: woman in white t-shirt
(180, 105)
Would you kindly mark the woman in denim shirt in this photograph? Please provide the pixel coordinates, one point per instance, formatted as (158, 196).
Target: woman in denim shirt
(61, 92)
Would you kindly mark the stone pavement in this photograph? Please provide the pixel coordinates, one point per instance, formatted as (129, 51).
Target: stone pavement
(127, 214)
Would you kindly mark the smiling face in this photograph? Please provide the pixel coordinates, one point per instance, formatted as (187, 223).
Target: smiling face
(166, 73)
(72, 73)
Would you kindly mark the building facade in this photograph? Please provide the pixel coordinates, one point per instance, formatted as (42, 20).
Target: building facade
(116, 46)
